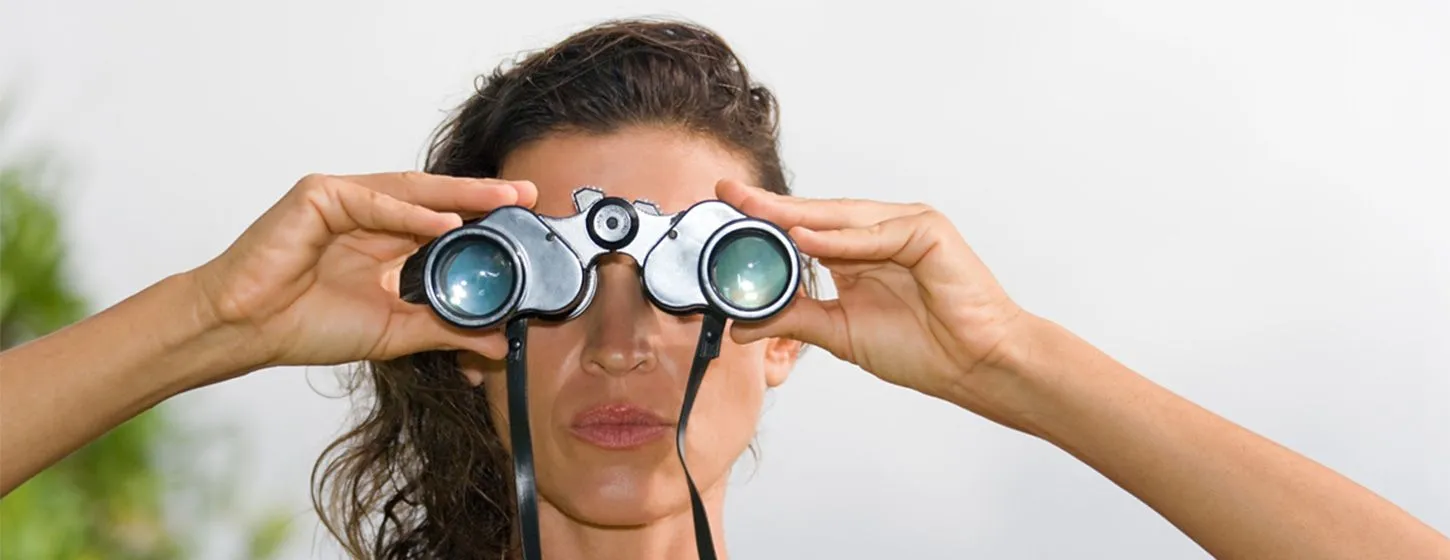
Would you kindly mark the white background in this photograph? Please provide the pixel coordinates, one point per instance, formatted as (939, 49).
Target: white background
(1245, 200)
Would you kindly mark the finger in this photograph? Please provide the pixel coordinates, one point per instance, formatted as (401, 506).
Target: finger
(907, 241)
(417, 329)
(450, 194)
(847, 271)
(904, 240)
(346, 207)
(819, 214)
(816, 322)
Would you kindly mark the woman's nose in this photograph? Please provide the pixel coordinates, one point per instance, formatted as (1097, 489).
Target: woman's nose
(623, 326)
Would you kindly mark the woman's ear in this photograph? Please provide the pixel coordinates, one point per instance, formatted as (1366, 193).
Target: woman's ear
(780, 358)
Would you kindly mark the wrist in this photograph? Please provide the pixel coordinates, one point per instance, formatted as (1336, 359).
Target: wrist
(1067, 387)
(1022, 382)
(202, 347)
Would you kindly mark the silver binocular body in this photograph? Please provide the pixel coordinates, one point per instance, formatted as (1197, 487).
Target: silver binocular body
(513, 262)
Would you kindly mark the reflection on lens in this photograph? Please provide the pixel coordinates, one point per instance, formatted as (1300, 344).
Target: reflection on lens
(749, 271)
(478, 278)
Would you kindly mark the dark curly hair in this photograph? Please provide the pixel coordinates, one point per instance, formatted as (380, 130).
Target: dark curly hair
(424, 473)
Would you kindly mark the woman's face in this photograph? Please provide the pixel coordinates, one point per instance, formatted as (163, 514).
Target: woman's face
(605, 389)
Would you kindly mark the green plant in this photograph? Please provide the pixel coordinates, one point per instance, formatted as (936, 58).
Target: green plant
(106, 499)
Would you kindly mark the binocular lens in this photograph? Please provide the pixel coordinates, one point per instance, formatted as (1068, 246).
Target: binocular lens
(478, 277)
(749, 271)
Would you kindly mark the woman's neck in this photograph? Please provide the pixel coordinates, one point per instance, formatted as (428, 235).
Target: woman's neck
(671, 537)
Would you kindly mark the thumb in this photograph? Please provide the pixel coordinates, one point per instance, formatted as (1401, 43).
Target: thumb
(418, 330)
(812, 321)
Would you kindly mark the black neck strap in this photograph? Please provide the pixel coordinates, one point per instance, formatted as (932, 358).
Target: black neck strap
(711, 332)
(523, 446)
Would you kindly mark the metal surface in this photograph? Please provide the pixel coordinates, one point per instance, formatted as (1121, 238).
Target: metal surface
(669, 271)
(555, 277)
(555, 256)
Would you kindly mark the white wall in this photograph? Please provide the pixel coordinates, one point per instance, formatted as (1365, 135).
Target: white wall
(1246, 201)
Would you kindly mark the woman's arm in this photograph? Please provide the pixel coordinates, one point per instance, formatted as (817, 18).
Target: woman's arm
(70, 387)
(312, 282)
(1235, 493)
(917, 308)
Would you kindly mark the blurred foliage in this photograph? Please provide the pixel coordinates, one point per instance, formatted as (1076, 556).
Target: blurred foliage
(106, 499)
(33, 299)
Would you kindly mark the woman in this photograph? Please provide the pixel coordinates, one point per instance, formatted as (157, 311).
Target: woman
(662, 111)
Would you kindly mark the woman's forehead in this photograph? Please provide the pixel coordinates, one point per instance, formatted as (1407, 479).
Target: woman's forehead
(672, 168)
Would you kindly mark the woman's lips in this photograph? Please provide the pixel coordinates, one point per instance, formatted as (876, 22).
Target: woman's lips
(619, 426)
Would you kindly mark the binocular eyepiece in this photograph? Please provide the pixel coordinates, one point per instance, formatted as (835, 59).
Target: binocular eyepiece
(513, 262)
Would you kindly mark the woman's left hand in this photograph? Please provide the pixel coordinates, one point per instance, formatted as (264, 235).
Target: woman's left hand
(915, 306)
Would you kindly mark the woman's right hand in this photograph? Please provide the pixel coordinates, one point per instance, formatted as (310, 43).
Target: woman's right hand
(314, 281)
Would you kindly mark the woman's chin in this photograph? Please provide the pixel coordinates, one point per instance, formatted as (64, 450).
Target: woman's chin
(620, 499)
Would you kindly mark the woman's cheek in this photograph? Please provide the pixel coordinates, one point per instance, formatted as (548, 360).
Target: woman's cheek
(736, 398)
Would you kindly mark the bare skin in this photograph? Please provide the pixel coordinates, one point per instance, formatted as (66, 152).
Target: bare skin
(955, 335)
(323, 250)
(916, 308)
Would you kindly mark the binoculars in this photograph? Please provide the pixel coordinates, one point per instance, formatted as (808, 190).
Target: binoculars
(515, 263)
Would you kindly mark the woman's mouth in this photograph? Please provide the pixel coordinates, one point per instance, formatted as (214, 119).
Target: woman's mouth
(619, 426)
